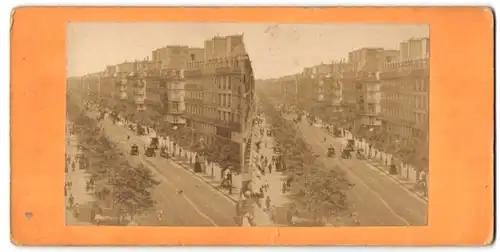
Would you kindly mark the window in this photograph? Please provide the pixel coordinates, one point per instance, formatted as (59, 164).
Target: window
(371, 108)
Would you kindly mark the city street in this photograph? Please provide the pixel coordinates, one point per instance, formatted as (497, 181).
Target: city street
(376, 199)
(184, 198)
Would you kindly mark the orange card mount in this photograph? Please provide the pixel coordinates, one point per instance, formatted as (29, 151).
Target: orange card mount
(252, 126)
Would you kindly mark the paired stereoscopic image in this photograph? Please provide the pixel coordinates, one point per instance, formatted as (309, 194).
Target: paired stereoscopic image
(239, 124)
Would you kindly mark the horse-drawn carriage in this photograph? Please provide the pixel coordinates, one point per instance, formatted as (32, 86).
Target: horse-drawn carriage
(346, 153)
(347, 149)
(331, 151)
(150, 150)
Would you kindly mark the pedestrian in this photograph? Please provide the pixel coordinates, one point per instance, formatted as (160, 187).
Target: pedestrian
(270, 167)
(289, 181)
(283, 187)
(268, 203)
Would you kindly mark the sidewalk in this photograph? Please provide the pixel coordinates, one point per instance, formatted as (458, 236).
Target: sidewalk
(278, 200)
(401, 179)
(82, 197)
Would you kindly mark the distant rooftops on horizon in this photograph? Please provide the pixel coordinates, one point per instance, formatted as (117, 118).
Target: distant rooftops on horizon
(416, 38)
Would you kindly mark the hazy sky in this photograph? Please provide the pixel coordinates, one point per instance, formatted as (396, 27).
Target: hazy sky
(275, 49)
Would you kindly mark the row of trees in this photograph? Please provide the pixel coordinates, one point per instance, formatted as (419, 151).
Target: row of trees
(225, 153)
(413, 152)
(118, 183)
(319, 191)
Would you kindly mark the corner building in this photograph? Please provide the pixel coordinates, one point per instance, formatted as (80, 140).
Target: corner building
(219, 95)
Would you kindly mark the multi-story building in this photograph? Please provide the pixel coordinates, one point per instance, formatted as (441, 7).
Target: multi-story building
(174, 100)
(222, 46)
(218, 93)
(123, 70)
(288, 87)
(140, 85)
(305, 90)
(176, 56)
(327, 88)
(91, 84)
(363, 84)
(414, 48)
(366, 59)
(405, 108)
(108, 83)
(200, 101)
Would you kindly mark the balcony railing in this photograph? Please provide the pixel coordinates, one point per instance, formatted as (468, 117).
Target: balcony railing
(192, 73)
(407, 64)
(140, 92)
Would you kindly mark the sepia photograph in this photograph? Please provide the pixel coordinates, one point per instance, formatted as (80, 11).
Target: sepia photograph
(246, 124)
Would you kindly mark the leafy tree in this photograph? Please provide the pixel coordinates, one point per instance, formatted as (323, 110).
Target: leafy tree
(319, 191)
(129, 187)
(132, 187)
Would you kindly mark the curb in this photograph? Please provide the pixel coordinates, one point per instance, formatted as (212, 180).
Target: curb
(396, 180)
